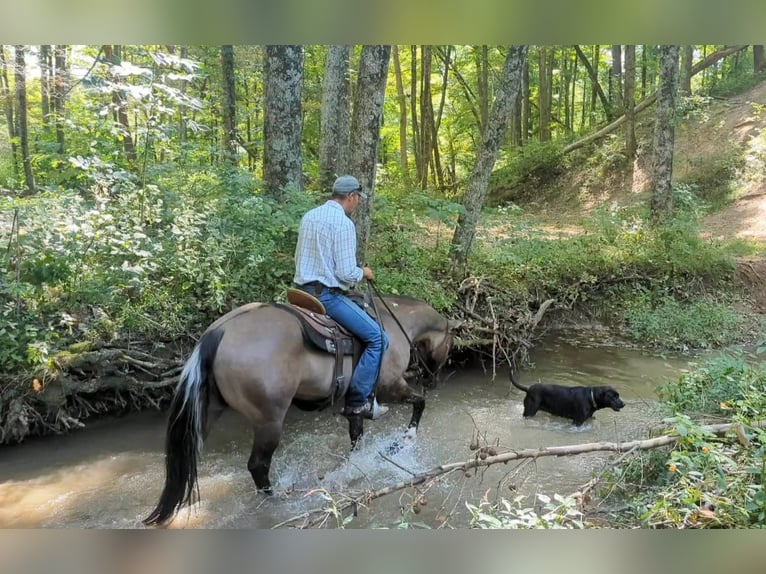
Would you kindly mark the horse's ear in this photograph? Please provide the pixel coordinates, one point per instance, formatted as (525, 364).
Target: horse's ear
(455, 324)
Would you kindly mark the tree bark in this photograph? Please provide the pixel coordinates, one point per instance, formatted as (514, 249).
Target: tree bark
(437, 124)
(229, 105)
(417, 144)
(282, 120)
(630, 104)
(60, 90)
(366, 122)
(615, 79)
(664, 135)
(426, 115)
(685, 83)
(7, 98)
(759, 58)
(505, 98)
(526, 104)
(481, 55)
(402, 100)
(21, 117)
(544, 94)
(336, 116)
(113, 54)
(45, 85)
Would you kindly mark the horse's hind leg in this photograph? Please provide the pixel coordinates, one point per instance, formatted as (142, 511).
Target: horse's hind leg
(265, 441)
(215, 408)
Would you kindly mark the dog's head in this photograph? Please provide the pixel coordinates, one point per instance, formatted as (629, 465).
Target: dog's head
(607, 397)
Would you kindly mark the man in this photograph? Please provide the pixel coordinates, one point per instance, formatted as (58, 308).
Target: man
(325, 267)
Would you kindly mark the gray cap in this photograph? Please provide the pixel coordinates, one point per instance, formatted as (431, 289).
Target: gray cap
(346, 184)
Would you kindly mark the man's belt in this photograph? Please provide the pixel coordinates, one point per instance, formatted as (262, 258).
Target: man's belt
(316, 288)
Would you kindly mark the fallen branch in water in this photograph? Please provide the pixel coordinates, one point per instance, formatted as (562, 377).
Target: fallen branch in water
(490, 459)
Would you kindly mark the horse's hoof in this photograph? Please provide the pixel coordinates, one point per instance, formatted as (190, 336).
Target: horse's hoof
(268, 491)
(410, 434)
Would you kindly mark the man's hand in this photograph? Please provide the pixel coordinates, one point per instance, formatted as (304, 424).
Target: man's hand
(368, 274)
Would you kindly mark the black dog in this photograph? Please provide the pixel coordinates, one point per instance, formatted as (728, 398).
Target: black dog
(576, 403)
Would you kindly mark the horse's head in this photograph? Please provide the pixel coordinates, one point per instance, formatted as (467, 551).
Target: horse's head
(433, 349)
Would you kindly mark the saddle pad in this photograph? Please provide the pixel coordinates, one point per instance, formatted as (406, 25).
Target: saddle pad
(300, 298)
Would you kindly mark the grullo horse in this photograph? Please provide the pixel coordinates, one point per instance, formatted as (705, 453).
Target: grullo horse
(256, 360)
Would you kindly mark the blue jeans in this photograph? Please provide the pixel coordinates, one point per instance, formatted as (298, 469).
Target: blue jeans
(375, 340)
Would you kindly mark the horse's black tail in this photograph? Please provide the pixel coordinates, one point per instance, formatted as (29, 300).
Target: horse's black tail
(516, 383)
(183, 441)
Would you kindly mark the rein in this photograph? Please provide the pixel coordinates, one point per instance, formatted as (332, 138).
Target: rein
(413, 348)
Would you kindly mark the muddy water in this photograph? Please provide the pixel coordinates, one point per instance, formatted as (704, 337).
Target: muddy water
(110, 474)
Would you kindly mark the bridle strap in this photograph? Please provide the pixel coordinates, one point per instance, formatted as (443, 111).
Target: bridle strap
(406, 336)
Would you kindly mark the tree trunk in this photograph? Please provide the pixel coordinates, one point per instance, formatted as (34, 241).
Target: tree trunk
(282, 120)
(643, 71)
(664, 135)
(113, 54)
(366, 122)
(417, 145)
(229, 105)
(593, 74)
(60, 90)
(402, 100)
(759, 59)
(544, 93)
(685, 83)
(45, 85)
(566, 82)
(630, 104)
(482, 80)
(437, 123)
(7, 98)
(336, 116)
(526, 103)
(615, 79)
(505, 98)
(426, 114)
(21, 117)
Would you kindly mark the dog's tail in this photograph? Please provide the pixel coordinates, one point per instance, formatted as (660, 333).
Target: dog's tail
(516, 383)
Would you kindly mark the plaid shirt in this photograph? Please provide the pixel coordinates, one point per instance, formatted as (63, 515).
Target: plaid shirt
(326, 249)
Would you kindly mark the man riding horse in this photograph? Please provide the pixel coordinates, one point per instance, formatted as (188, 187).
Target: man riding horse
(325, 267)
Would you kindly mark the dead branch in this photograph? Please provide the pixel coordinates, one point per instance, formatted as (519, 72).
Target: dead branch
(533, 453)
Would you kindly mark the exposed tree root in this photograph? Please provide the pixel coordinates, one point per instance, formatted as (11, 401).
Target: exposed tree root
(94, 382)
(499, 324)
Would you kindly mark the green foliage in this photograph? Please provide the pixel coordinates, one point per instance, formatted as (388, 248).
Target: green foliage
(409, 246)
(616, 243)
(524, 170)
(662, 319)
(557, 512)
(704, 480)
(141, 262)
(712, 182)
(726, 385)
